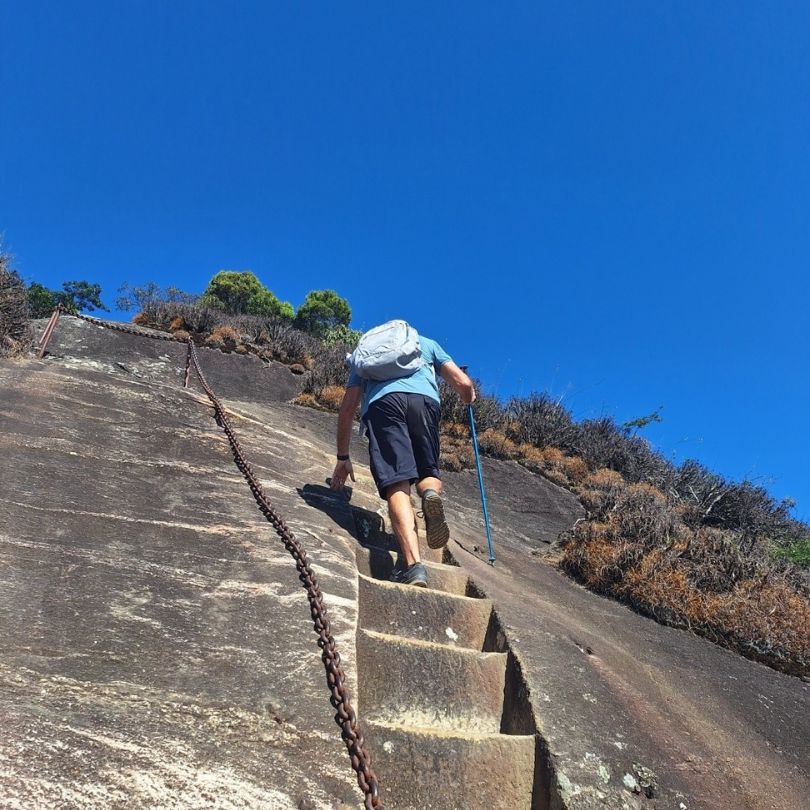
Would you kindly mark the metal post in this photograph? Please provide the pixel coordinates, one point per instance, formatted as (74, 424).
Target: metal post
(188, 363)
(49, 330)
(481, 485)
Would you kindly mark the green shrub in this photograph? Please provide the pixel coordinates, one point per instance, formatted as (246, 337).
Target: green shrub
(266, 305)
(797, 553)
(342, 335)
(241, 293)
(322, 311)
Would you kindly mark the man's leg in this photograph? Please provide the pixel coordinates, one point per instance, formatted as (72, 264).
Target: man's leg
(394, 467)
(400, 511)
(429, 483)
(423, 429)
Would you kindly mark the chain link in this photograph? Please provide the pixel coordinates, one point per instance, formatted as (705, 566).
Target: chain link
(340, 697)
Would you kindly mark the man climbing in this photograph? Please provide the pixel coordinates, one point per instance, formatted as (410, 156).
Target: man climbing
(393, 374)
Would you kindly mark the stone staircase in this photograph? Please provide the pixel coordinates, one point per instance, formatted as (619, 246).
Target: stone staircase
(434, 692)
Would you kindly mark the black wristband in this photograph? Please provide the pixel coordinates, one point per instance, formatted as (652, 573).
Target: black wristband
(342, 458)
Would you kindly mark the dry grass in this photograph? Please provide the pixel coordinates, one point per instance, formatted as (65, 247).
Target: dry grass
(456, 430)
(532, 457)
(600, 492)
(496, 444)
(576, 469)
(307, 400)
(456, 458)
(456, 453)
(635, 549)
(552, 456)
(551, 462)
(604, 479)
(224, 338)
(331, 397)
(328, 399)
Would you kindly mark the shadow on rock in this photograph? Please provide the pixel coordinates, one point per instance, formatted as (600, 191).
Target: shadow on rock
(365, 526)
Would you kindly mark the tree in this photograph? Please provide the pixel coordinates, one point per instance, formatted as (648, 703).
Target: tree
(149, 294)
(81, 295)
(41, 300)
(75, 297)
(266, 304)
(321, 311)
(240, 293)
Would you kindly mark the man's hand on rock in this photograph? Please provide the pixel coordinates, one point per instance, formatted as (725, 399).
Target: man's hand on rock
(343, 470)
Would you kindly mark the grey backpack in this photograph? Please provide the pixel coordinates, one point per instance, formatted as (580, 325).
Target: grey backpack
(388, 351)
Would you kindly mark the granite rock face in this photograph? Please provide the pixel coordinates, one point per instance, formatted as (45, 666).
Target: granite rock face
(156, 648)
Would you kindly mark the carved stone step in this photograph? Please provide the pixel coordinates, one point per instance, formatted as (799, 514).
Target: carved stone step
(378, 564)
(427, 769)
(408, 682)
(423, 613)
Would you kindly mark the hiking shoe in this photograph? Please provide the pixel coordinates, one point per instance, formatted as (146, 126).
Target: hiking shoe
(398, 571)
(438, 532)
(414, 575)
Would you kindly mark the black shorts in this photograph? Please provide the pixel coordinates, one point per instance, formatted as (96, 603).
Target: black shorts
(403, 438)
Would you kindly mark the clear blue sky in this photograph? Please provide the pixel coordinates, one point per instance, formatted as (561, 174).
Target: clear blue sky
(607, 201)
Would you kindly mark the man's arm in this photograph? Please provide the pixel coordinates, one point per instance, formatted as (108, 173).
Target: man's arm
(348, 408)
(458, 381)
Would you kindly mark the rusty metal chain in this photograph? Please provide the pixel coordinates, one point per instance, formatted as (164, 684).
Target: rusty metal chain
(340, 697)
(128, 330)
(335, 678)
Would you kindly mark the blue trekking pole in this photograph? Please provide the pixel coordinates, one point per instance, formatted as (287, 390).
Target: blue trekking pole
(481, 484)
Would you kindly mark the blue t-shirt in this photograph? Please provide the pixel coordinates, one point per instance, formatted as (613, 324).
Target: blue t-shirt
(422, 381)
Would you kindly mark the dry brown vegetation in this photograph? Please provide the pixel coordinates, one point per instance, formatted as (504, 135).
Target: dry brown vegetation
(225, 338)
(456, 450)
(634, 547)
(308, 401)
(15, 325)
(332, 396)
(496, 444)
(268, 338)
